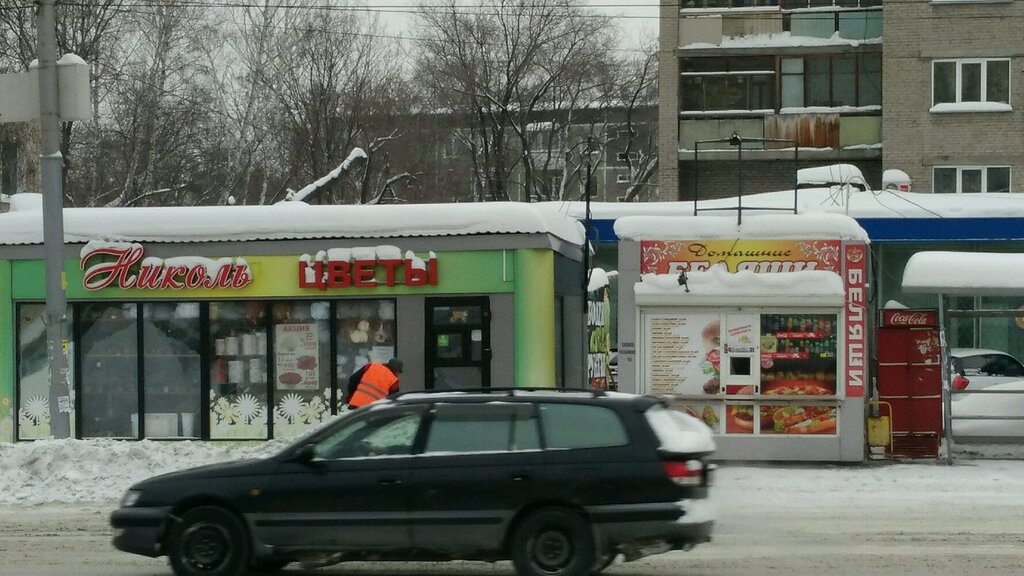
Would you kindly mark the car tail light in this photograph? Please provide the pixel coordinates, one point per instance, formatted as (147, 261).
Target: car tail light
(688, 473)
(961, 382)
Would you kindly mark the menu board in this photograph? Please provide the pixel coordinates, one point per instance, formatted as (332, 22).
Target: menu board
(296, 356)
(683, 353)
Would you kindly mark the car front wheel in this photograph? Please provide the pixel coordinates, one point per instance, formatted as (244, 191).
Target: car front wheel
(209, 541)
(553, 542)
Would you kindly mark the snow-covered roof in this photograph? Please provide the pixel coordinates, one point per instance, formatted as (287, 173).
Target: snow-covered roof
(964, 273)
(845, 200)
(286, 220)
(718, 282)
(773, 226)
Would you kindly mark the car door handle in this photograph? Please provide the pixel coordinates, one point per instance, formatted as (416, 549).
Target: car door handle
(390, 481)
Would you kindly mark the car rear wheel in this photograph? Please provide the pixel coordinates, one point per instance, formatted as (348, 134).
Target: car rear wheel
(209, 541)
(553, 542)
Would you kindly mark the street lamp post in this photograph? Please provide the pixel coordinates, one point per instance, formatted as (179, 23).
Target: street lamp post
(51, 167)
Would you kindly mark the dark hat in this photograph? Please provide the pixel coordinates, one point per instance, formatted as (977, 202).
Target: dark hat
(395, 365)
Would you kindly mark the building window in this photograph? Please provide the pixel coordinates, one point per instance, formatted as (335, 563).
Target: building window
(110, 371)
(718, 84)
(971, 80)
(238, 371)
(832, 81)
(172, 370)
(365, 333)
(302, 366)
(33, 395)
(970, 179)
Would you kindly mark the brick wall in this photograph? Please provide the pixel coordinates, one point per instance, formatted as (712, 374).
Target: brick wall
(916, 140)
(668, 96)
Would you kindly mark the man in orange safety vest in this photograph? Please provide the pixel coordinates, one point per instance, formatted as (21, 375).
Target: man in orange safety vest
(373, 382)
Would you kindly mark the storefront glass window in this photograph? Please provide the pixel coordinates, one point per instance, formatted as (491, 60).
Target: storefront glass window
(110, 375)
(238, 371)
(798, 354)
(366, 333)
(34, 373)
(171, 369)
(302, 367)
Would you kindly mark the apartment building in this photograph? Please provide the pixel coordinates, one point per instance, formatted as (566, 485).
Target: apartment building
(954, 94)
(779, 75)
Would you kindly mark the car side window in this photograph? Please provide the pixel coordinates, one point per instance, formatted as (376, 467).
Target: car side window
(581, 426)
(466, 428)
(999, 365)
(971, 365)
(384, 433)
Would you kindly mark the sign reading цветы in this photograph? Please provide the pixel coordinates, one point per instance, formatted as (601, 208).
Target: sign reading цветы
(359, 267)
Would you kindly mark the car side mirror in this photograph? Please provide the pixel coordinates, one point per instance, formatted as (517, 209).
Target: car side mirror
(306, 454)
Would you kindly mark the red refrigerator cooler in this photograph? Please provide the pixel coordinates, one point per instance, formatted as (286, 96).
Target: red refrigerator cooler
(910, 380)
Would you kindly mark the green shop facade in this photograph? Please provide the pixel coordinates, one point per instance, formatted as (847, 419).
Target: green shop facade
(207, 336)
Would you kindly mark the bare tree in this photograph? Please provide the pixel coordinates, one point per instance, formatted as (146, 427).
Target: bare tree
(639, 92)
(88, 30)
(498, 67)
(331, 83)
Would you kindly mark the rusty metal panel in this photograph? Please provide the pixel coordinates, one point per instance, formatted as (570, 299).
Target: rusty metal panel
(809, 130)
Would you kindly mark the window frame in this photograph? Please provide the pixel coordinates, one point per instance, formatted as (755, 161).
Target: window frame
(857, 76)
(958, 80)
(984, 178)
(734, 69)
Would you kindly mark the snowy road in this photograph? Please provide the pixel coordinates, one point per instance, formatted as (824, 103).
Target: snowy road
(899, 520)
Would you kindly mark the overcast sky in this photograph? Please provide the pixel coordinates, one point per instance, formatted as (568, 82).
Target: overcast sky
(638, 18)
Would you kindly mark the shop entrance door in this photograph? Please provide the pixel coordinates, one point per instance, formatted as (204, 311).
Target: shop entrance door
(458, 343)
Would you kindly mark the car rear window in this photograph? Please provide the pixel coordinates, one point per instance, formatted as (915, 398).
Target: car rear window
(496, 427)
(679, 433)
(581, 426)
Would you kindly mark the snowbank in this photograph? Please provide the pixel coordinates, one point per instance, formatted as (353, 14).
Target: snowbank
(99, 471)
(76, 471)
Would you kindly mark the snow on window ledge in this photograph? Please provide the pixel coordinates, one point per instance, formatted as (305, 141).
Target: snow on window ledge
(954, 107)
(971, 2)
(828, 109)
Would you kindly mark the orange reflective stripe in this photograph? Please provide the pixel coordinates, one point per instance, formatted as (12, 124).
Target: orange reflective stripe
(372, 391)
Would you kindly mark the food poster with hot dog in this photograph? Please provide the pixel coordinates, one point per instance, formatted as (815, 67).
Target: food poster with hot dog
(798, 419)
(296, 356)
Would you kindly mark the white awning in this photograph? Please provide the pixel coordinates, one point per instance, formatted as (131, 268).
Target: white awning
(965, 274)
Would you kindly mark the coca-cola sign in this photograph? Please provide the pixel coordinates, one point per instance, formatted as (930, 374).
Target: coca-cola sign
(910, 318)
(124, 265)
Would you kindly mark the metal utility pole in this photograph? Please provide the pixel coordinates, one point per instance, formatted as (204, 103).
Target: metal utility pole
(587, 221)
(51, 169)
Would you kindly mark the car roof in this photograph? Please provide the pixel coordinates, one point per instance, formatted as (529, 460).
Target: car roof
(960, 352)
(482, 396)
